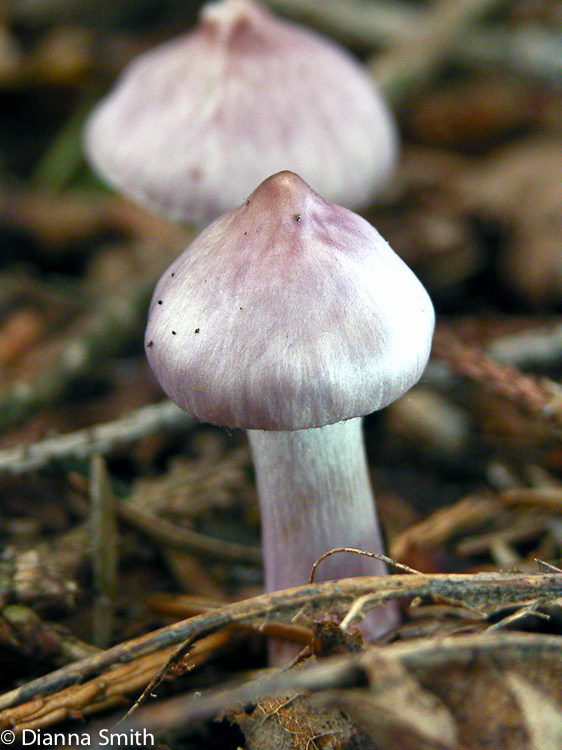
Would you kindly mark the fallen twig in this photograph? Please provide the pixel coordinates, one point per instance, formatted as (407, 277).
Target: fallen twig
(101, 439)
(102, 336)
(179, 538)
(46, 572)
(414, 59)
(540, 398)
(105, 551)
(531, 51)
(475, 590)
(536, 347)
(101, 694)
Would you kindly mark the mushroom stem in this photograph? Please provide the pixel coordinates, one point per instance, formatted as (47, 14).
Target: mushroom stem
(315, 495)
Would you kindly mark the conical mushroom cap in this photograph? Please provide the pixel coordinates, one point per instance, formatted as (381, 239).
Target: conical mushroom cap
(287, 313)
(196, 123)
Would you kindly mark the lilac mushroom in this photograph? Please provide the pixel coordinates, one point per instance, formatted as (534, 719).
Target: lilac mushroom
(196, 123)
(293, 318)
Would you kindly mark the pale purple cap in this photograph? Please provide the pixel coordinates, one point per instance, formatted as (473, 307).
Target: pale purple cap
(287, 313)
(195, 124)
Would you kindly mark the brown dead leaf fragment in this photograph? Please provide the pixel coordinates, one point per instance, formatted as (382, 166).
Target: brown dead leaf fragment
(398, 711)
(542, 716)
(477, 692)
(296, 723)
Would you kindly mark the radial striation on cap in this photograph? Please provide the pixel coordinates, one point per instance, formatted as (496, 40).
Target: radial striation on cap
(287, 313)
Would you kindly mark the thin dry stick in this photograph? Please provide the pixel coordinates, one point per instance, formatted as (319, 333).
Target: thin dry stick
(105, 551)
(101, 439)
(475, 590)
(547, 498)
(446, 524)
(102, 336)
(364, 23)
(176, 537)
(98, 695)
(532, 347)
(415, 59)
(470, 361)
(533, 51)
(375, 555)
(46, 571)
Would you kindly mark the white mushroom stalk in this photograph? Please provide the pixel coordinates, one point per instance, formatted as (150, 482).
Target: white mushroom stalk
(315, 495)
(193, 125)
(292, 317)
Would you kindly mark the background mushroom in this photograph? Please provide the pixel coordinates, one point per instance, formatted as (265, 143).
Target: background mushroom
(292, 317)
(196, 123)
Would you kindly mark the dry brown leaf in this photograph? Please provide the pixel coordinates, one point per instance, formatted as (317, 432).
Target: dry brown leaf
(296, 723)
(464, 693)
(543, 716)
(398, 711)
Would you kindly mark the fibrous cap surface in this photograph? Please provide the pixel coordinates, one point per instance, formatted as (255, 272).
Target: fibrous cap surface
(287, 313)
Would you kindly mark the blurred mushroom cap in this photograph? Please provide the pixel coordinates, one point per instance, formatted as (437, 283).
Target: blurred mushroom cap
(196, 123)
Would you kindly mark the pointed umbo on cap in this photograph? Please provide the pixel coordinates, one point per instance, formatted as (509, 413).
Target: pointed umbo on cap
(287, 313)
(196, 123)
